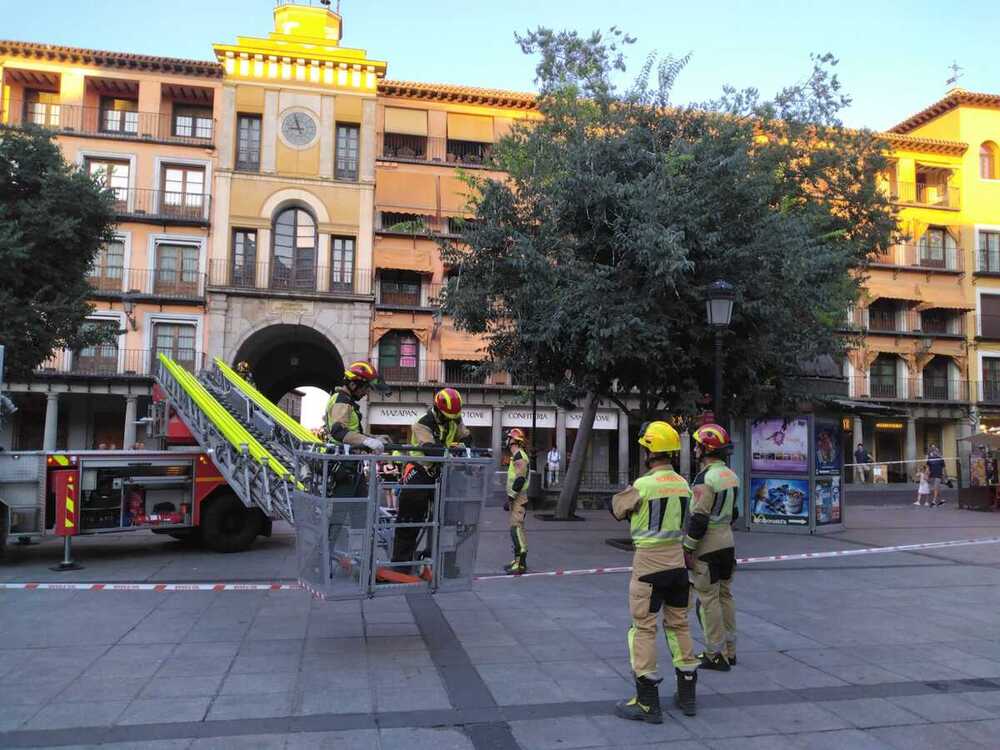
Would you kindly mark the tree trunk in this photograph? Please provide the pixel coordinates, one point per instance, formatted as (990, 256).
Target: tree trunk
(567, 497)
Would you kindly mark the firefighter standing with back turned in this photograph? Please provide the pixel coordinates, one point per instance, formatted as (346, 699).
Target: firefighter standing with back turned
(655, 505)
(517, 499)
(709, 539)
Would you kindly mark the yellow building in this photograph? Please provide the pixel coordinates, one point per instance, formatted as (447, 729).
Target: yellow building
(147, 125)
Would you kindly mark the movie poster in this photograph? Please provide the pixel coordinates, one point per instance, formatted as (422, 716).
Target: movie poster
(780, 446)
(829, 448)
(779, 502)
(827, 500)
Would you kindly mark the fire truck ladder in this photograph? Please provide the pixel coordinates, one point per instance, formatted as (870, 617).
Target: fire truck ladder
(250, 468)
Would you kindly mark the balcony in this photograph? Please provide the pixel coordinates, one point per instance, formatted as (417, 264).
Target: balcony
(443, 372)
(163, 207)
(268, 278)
(98, 122)
(927, 388)
(936, 195)
(876, 320)
(155, 284)
(426, 297)
(433, 149)
(920, 258)
(108, 361)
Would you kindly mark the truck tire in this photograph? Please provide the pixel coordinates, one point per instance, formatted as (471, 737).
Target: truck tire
(227, 525)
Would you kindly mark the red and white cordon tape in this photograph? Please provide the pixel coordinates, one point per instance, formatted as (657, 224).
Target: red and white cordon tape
(178, 587)
(766, 559)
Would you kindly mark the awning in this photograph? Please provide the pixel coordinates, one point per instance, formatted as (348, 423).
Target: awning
(947, 296)
(405, 121)
(878, 289)
(403, 255)
(455, 195)
(864, 407)
(409, 192)
(470, 128)
(418, 324)
(459, 345)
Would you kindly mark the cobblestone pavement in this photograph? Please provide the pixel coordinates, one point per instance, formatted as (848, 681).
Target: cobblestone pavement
(895, 650)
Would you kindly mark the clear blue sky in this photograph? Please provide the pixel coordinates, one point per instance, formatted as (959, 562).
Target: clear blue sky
(894, 54)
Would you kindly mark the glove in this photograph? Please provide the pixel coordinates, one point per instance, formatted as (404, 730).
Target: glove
(688, 559)
(609, 504)
(506, 505)
(374, 445)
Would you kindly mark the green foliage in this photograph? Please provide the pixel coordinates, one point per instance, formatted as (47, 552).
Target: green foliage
(588, 265)
(53, 220)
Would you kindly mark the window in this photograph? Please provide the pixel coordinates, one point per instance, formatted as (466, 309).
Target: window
(248, 142)
(988, 157)
(176, 270)
(243, 272)
(399, 288)
(461, 372)
(935, 377)
(42, 108)
(394, 221)
(119, 116)
(112, 174)
(459, 224)
(989, 251)
(883, 377)
(183, 192)
(342, 264)
(100, 359)
(468, 152)
(937, 248)
(177, 341)
(193, 122)
(293, 260)
(989, 316)
(106, 273)
(347, 152)
(882, 316)
(991, 378)
(399, 357)
(934, 321)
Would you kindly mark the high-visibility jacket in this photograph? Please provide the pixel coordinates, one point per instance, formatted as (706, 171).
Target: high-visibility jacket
(343, 417)
(518, 456)
(656, 505)
(716, 492)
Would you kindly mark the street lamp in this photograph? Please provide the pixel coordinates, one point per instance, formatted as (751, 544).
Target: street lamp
(719, 311)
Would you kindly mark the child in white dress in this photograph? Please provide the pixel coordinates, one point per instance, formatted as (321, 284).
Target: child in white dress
(923, 487)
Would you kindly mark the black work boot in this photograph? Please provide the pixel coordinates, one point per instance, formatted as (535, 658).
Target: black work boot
(645, 704)
(718, 662)
(517, 566)
(684, 698)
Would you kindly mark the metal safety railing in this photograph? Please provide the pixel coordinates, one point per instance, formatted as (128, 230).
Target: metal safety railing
(360, 532)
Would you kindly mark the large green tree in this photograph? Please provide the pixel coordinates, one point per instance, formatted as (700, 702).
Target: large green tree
(588, 265)
(53, 220)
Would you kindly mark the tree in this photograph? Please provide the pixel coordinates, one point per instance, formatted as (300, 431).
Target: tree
(53, 220)
(588, 263)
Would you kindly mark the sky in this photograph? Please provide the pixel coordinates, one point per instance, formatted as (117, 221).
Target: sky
(894, 55)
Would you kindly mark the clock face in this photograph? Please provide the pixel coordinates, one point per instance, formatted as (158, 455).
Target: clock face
(298, 128)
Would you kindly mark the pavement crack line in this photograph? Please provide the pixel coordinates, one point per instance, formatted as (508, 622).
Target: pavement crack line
(487, 728)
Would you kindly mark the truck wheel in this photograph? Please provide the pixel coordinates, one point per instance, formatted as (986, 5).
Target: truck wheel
(227, 525)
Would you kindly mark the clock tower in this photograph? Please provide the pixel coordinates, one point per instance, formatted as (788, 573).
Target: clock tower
(291, 256)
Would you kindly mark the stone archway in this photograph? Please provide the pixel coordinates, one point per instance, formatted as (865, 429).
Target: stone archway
(285, 356)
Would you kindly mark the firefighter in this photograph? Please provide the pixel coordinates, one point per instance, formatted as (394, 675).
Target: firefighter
(343, 425)
(518, 471)
(440, 427)
(243, 370)
(709, 540)
(655, 505)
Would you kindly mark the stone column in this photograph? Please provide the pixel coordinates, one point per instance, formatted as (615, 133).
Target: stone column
(911, 446)
(130, 416)
(327, 133)
(51, 421)
(685, 467)
(498, 434)
(269, 133)
(623, 445)
(858, 437)
(366, 155)
(561, 440)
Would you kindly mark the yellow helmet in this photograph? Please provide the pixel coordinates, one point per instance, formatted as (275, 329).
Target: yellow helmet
(659, 437)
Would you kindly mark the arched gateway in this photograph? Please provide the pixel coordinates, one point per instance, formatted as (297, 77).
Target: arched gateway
(286, 356)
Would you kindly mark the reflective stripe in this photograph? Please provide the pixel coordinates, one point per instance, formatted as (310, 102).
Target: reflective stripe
(648, 534)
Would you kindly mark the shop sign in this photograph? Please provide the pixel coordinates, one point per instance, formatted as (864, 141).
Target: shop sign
(888, 425)
(606, 419)
(394, 414)
(545, 419)
(779, 446)
(779, 502)
(477, 416)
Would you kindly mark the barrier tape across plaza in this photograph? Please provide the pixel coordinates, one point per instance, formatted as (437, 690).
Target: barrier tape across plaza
(181, 587)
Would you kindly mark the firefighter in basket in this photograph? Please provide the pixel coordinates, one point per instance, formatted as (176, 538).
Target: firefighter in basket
(518, 471)
(343, 423)
(655, 505)
(441, 427)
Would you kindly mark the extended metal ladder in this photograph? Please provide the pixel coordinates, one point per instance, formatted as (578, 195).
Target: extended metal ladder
(242, 440)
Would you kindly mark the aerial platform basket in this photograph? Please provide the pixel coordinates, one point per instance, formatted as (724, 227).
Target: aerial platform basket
(347, 525)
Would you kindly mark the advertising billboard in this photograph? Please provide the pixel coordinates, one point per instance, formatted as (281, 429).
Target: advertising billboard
(777, 445)
(779, 501)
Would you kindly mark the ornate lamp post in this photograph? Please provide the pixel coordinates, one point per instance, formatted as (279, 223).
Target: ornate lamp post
(719, 311)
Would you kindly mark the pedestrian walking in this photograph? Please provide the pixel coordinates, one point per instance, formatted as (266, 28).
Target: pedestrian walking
(862, 463)
(923, 487)
(936, 471)
(552, 467)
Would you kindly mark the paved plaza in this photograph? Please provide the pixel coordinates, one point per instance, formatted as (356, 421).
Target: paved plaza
(898, 650)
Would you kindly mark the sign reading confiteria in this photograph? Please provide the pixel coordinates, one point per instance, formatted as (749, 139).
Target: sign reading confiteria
(545, 419)
(606, 419)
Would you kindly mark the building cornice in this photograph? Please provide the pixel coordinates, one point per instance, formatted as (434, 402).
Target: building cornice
(458, 94)
(954, 98)
(105, 59)
(927, 145)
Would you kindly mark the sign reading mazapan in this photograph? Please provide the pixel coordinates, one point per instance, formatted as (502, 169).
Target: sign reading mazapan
(394, 414)
(606, 419)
